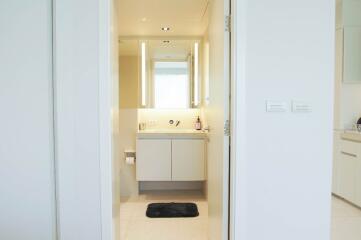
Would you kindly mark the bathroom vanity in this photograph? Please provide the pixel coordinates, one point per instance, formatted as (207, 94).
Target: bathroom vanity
(171, 155)
(347, 166)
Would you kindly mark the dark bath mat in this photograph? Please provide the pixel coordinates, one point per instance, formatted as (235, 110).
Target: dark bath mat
(172, 210)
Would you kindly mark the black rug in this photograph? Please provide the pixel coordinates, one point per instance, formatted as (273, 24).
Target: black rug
(172, 210)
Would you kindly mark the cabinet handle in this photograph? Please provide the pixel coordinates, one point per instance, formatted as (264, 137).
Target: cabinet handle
(349, 154)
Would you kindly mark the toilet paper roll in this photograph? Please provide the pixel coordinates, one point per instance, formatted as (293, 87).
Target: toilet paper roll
(130, 160)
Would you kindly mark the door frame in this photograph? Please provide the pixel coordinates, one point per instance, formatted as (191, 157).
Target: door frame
(237, 178)
(237, 109)
(105, 119)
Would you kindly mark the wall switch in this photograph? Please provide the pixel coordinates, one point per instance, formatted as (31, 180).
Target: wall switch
(277, 106)
(152, 123)
(301, 107)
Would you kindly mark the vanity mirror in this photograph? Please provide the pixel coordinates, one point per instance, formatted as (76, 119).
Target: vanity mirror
(168, 72)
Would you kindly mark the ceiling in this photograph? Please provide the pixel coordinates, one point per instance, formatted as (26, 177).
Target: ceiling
(147, 17)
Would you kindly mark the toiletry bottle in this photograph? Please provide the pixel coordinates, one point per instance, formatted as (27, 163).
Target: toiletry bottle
(198, 124)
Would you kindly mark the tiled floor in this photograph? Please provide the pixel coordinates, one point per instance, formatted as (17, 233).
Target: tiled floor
(346, 221)
(134, 225)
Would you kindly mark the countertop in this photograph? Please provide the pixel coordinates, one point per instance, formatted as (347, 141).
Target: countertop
(351, 136)
(172, 133)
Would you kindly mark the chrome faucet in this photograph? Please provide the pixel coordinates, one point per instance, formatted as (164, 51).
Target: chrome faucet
(171, 122)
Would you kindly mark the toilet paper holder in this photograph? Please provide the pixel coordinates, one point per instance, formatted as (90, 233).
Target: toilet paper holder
(129, 154)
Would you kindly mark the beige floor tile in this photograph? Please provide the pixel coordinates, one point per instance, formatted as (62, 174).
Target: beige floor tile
(135, 225)
(346, 221)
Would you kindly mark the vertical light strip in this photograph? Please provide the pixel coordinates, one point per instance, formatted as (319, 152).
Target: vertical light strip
(143, 75)
(196, 73)
(206, 73)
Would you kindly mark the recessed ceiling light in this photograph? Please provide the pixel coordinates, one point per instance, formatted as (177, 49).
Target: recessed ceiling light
(165, 29)
(144, 19)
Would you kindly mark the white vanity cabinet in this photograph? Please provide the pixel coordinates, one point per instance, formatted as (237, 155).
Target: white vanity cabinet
(170, 159)
(154, 160)
(188, 160)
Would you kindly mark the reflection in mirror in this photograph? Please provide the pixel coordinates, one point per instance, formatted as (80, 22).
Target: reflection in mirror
(170, 73)
(171, 84)
(129, 74)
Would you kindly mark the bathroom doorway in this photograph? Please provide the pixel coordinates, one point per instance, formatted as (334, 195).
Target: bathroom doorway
(173, 145)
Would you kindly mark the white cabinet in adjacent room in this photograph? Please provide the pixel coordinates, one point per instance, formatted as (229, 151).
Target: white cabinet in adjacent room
(347, 165)
(335, 163)
(154, 160)
(347, 175)
(358, 183)
(188, 160)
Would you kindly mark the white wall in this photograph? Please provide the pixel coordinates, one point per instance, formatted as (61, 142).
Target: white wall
(27, 202)
(350, 105)
(128, 125)
(285, 51)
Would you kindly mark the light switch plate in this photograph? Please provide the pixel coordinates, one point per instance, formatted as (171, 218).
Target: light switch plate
(301, 107)
(277, 106)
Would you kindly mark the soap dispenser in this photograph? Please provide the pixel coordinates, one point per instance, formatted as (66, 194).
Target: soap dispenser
(198, 124)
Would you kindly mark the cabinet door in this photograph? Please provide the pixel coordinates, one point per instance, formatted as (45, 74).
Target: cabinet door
(153, 160)
(336, 160)
(352, 55)
(188, 160)
(347, 176)
(358, 176)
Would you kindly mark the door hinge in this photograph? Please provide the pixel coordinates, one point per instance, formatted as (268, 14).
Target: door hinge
(227, 23)
(227, 128)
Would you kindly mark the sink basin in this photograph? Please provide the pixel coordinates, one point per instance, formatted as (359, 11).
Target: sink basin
(171, 133)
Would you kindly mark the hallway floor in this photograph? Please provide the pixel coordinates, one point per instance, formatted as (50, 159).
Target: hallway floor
(135, 225)
(346, 221)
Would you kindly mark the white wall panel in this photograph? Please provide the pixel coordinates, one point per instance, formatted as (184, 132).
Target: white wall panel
(285, 52)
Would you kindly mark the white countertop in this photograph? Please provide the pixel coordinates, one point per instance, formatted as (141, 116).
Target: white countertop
(171, 133)
(351, 135)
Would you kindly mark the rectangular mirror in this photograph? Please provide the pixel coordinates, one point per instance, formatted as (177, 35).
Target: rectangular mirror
(168, 72)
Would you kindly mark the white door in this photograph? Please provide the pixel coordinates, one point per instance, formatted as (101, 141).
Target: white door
(154, 160)
(217, 114)
(188, 160)
(27, 202)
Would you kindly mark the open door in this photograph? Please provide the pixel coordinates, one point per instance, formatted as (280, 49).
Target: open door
(218, 115)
